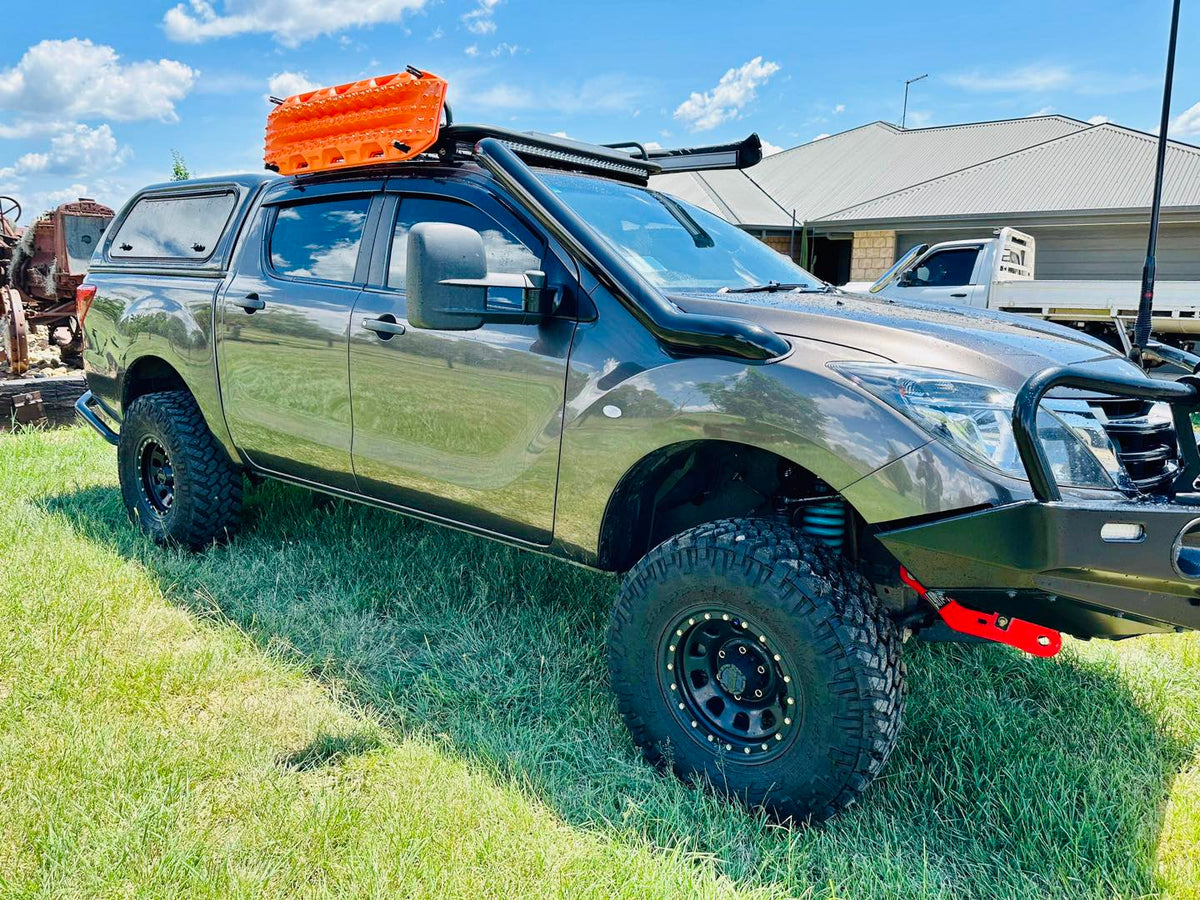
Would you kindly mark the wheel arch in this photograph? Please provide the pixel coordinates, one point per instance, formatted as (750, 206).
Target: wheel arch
(685, 484)
(148, 375)
(151, 373)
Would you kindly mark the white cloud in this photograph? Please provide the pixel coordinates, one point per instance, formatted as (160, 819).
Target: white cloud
(505, 47)
(823, 134)
(603, 93)
(76, 79)
(504, 96)
(290, 22)
(770, 149)
(1036, 77)
(1187, 123)
(1099, 120)
(287, 84)
(840, 108)
(74, 151)
(481, 19)
(737, 87)
(25, 128)
(473, 50)
(1044, 111)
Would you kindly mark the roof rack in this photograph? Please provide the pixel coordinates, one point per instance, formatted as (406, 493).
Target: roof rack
(610, 160)
(398, 117)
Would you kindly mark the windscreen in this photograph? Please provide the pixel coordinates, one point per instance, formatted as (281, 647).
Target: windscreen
(897, 267)
(674, 245)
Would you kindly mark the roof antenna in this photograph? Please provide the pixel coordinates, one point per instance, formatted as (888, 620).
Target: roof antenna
(1141, 329)
(904, 114)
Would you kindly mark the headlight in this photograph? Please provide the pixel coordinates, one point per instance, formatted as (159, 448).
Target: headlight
(975, 419)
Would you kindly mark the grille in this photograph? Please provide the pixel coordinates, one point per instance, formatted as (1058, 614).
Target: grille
(1145, 443)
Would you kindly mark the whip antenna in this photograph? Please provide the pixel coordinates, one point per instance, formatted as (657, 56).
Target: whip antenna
(1141, 329)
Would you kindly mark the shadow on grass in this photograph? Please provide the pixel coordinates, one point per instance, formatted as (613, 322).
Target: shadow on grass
(331, 749)
(1014, 776)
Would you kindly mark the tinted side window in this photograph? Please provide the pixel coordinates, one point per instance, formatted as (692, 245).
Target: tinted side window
(505, 252)
(319, 240)
(174, 227)
(949, 268)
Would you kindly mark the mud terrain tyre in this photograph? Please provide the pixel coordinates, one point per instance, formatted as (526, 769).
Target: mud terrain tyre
(746, 656)
(178, 484)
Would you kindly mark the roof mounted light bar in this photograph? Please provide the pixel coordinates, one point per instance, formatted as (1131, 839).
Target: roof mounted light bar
(459, 141)
(740, 155)
(629, 161)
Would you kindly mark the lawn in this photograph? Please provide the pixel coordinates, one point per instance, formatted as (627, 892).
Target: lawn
(345, 701)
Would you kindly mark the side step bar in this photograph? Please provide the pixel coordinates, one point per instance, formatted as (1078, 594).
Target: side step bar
(83, 406)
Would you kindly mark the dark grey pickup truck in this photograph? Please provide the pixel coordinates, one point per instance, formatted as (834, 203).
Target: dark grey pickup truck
(515, 336)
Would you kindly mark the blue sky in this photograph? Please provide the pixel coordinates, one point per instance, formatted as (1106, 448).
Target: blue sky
(95, 94)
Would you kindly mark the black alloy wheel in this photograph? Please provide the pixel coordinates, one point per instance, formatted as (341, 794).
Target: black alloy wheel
(729, 684)
(157, 476)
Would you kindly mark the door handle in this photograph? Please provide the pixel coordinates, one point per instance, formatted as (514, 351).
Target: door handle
(250, 303)
(385, 326)
(961, 296)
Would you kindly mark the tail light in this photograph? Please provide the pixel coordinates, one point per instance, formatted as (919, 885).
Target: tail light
(84, 295)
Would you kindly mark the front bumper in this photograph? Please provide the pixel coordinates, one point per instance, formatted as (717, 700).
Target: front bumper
(1050, 563)
(1104, 568)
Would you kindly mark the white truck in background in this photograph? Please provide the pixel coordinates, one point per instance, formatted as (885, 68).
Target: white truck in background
(998, 273)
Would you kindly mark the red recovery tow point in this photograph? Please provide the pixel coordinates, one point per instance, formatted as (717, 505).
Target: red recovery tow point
(1033, 639)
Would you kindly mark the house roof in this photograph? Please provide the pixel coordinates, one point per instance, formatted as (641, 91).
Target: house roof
(881, 172)
(1103, 168)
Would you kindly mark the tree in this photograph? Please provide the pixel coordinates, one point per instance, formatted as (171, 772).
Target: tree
(179, 169)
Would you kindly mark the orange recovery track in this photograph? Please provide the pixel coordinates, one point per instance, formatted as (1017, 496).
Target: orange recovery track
(389, 118)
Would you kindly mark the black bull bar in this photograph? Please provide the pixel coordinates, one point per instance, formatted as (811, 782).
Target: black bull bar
(1117, 558)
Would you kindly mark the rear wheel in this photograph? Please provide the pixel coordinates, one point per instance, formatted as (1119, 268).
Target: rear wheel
(745, 655)
(178, 484)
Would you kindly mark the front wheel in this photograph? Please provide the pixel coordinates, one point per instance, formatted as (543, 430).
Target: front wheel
(746, 656)
(179, 485)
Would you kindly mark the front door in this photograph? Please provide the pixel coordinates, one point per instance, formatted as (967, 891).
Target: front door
(945, 276)
(284, 321)
(464, 425)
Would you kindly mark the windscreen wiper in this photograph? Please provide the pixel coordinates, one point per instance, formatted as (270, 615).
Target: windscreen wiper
(772, 287)
(699, 236)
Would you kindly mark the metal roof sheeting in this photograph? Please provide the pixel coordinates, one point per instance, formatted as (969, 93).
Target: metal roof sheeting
(879, 173)
(1102, 168)
(832, 173)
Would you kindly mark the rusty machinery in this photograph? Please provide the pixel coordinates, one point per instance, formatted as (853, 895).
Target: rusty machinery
(40, 267)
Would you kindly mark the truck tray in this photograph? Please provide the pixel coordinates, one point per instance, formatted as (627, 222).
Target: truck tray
(389, 118)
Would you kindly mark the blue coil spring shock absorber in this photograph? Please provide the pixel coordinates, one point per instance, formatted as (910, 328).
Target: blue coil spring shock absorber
(825, 521)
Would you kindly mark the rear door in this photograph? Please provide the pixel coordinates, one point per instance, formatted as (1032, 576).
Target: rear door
(461, 424)
(944, 276)
(283, 329)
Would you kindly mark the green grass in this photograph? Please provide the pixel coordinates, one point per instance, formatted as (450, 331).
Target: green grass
(349, 702)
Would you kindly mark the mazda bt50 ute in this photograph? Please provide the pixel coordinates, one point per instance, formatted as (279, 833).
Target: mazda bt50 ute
(513, 335)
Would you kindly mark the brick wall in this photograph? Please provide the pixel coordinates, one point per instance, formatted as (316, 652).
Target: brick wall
(781, 243)
(873, 254)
